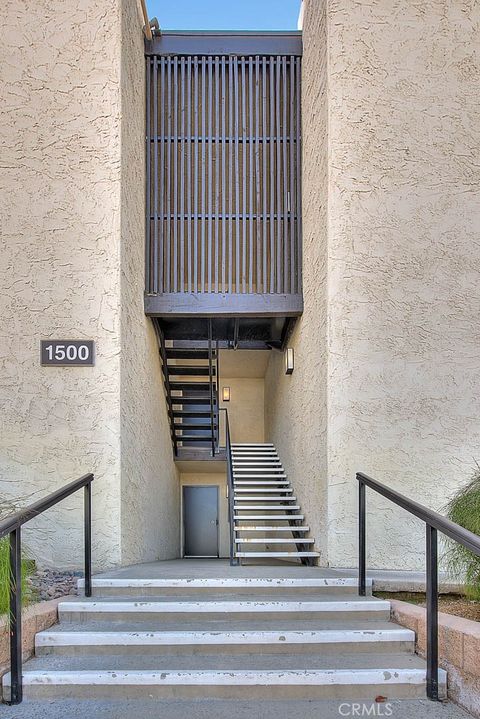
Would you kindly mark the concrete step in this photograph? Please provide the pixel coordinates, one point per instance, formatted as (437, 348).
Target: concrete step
(387, 639)
(165, 610)
(255, 475)
(261, 676)
(267, 586)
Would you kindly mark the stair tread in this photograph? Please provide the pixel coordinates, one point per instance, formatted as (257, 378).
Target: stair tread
(241, 528)
(221, 663)
(271, 517)
(264, 506)
(276, 554)
(174, 353)
(274, 540)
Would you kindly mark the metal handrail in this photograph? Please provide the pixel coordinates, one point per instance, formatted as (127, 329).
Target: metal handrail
(231, 497)
(12, 526)
(210, 377)
(434, 523)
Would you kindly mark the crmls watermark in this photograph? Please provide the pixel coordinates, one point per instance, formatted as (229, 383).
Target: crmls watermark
(357, 709)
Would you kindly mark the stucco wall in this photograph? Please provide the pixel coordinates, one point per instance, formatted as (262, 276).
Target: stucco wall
(296, 405)
(150, 491)
(70, 256)
(403, 262)
(246, 408)
(404, 300)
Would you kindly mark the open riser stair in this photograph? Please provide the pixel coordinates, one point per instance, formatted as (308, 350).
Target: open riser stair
(191, 389)
(267, 518)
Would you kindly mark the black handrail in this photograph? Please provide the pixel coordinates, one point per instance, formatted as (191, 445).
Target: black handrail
(12, 526)
(231, 497)
(434, 523)
(211, 379)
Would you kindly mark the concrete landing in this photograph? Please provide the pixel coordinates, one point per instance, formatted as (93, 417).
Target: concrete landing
(384, 580)
(233, 709)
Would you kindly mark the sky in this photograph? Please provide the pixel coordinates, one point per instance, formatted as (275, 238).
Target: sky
(225, 14)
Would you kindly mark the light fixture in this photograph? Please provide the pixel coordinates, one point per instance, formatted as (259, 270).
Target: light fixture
(289, 360)
(226, 394)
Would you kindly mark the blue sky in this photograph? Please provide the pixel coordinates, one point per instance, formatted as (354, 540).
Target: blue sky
(225, 14)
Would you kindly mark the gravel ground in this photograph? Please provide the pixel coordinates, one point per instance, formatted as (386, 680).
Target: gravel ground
(52, 583)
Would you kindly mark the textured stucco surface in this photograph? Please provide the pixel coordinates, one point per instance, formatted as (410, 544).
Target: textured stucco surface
(402, 388)
(70, 257)
(296, 405)
(246, 413)
(404, 262)
(150, 509)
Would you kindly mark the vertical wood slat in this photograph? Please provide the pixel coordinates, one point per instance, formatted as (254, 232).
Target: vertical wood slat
(217, 169)
(278, 178)
(182, 175)
(285, 274)
(203, 188)
(174, 144)
(162, 183)
(264, 173)
(257, 171)
(244, 177)
(224, 184)
(237, 179)
(168, 180)
(189, 175)
(251, 176)
(148, 158)
(209, 175)
(230, 174)
(272, 175)
(195, 178)
(234, 190)
(298, 175)
(292, 136)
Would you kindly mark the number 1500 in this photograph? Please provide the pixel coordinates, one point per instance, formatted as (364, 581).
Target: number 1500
(68, 352)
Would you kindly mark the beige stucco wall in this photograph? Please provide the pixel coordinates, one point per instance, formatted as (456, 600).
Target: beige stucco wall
(404, 261)
(150, 493)
(246, 408)
(296, 405)
(70, 257)
(403, 264)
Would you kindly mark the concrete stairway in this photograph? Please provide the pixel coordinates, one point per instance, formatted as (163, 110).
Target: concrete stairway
(261, 638)
(268, 523)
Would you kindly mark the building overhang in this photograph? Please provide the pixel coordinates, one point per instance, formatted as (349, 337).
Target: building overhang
(209, 42)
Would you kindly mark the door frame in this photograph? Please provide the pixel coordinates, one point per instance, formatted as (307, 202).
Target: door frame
(182, 528)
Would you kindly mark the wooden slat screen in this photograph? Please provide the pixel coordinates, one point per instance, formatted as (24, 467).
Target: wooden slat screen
(223, 174)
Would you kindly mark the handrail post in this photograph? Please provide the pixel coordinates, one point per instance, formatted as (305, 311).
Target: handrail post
(15, 619)
(432, 612)
(87, 518)
(362, 544)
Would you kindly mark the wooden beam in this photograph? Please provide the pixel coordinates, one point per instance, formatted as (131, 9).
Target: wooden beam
(223, 305)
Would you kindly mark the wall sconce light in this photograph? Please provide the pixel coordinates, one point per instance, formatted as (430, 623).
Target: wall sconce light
(226, 394)
(289, 360)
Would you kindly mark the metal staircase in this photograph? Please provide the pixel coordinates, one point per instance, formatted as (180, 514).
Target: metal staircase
(191, 388)
(266, 517)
